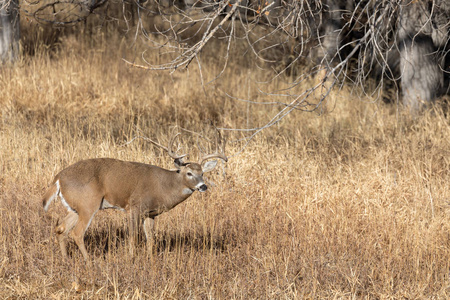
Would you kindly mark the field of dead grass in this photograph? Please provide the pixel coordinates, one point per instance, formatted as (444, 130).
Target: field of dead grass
(351, 204)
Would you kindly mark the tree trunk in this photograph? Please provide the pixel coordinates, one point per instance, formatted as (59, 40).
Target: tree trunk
(326, 27)
(421, 77)
(9, 31)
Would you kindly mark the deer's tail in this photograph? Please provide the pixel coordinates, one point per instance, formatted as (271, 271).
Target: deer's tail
(50, 194)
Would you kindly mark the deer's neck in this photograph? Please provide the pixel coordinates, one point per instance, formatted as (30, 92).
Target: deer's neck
(179, 192)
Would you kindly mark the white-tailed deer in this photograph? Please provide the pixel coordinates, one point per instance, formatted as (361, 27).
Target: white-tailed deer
(143, 190)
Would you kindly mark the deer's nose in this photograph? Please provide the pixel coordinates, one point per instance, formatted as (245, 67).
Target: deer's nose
(202, 188)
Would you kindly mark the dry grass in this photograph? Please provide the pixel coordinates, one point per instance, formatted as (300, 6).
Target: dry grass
(352, 204)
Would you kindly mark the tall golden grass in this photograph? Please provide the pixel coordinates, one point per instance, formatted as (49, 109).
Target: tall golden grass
(351, 204)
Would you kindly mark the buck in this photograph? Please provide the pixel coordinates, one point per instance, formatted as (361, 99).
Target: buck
(144, 191)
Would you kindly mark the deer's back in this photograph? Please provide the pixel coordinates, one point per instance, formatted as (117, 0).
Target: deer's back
(112, 179)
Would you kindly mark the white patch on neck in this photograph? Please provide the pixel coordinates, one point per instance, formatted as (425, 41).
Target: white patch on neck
(187, 191)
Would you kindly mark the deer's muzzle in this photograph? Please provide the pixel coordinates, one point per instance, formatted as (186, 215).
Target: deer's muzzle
(202, 188)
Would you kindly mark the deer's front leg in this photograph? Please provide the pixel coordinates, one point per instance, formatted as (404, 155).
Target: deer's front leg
(133, 228)
(149, 224)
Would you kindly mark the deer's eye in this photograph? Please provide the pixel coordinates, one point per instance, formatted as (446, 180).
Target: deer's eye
(189, 174)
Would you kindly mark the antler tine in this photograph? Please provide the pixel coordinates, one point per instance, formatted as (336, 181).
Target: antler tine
(169, 148)
(216, 154)
(154, 143)
(171, 153)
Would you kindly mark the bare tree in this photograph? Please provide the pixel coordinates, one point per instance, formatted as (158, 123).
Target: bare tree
(344, 41)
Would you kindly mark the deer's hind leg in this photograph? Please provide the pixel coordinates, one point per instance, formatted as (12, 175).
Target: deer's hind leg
(62, 230)
(91, 198)
(86, 214)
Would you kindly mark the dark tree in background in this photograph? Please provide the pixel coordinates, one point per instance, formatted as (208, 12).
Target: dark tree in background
(401, 43)
(422, 38)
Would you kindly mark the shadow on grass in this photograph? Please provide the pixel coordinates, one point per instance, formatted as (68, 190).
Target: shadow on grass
(101, 242)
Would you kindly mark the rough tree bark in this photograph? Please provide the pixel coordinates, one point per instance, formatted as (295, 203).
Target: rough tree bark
(420, 39)
(9, 30)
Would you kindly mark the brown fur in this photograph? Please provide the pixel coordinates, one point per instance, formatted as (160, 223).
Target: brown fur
(143, 190)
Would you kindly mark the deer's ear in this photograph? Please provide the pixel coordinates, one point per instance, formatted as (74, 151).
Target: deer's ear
(209, 166)
(178, 163)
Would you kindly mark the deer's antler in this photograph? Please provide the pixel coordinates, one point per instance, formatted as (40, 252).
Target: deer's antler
(169, 147)
(216, 154)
